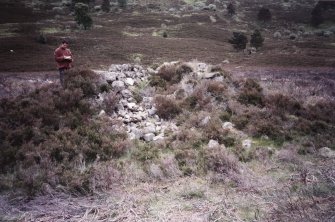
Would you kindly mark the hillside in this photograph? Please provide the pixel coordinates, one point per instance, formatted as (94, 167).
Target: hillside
(162, 119)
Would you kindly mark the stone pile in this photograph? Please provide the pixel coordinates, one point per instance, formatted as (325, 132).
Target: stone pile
(139, 117)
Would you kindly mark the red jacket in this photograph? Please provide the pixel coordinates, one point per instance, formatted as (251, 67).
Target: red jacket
(60, 52)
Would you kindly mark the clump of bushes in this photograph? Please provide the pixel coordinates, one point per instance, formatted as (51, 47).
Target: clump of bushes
(219, 160)
(122, 3)
(86, 80)
(166, 107)
(157, 81)
(239, 40)
(231, 9)
(106, 5)
(199, 99)
(264, 15)
(256, 39)
(50, 136)
(217, 89)
(251, 93)
(281, 117)
(173, 73)
(81, 15)
(213, 131)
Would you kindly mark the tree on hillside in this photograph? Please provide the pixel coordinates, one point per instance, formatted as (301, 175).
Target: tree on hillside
(317, 17)
(264, 15)
(239, 40)
(231, 9)
(106, 6)
(256, 39)
(74, 2)
(81, 15)
(122, 3)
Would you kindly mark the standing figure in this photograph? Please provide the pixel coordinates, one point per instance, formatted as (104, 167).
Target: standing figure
(63, 57)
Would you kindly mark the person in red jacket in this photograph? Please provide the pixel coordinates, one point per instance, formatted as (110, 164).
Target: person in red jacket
(63, 57)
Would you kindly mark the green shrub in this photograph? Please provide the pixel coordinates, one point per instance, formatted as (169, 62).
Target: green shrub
(42, 38)
(174, 73)
(251, 93)
(81, 15)
(225, 116)
(106, 6)
(231, 9)
(156, 80)
(256, 39)
(145, 151)
(282, 105)
(191, 102)
(86, 80)
(104, 88)
(317, 16)
(47, 134)
(239, 40)
(220, 161)
(167, 108)
(229, 141)
(122, 3)
(213, 130)
(264, 15)
(187, 160)
(241, 121)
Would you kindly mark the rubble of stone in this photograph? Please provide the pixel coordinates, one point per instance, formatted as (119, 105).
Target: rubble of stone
(140, 117)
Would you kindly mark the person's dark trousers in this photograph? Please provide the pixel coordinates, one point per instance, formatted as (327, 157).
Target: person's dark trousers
(61, 75)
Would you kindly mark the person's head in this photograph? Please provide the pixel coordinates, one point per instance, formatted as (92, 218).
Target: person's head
(64, 44)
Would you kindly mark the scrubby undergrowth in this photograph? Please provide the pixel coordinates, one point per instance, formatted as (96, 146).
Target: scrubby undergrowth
(53, 135)
(228, 132)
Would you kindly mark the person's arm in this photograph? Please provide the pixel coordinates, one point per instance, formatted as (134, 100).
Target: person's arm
(71, 55)
(59, 57)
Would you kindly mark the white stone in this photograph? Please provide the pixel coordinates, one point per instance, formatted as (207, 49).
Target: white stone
(132, 136)
(327, 33)
(212, 18)
(136, 132)
(253, 50)
(131, 106)
(149, 129)
(122, 113)
(158, 128)
(119, 107)
(326, 152)
(148, 137)
(226, 61)
(205, 121)
(211, 75)
(246, 144)
(126, 93)
(152, 71)
(111, 76)
(152, 111)
(102, 113)
(118, 86)
(213, 144)
(227, 125)
(293, 36)
(159, 137)
(277, 35)
(219, 79)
